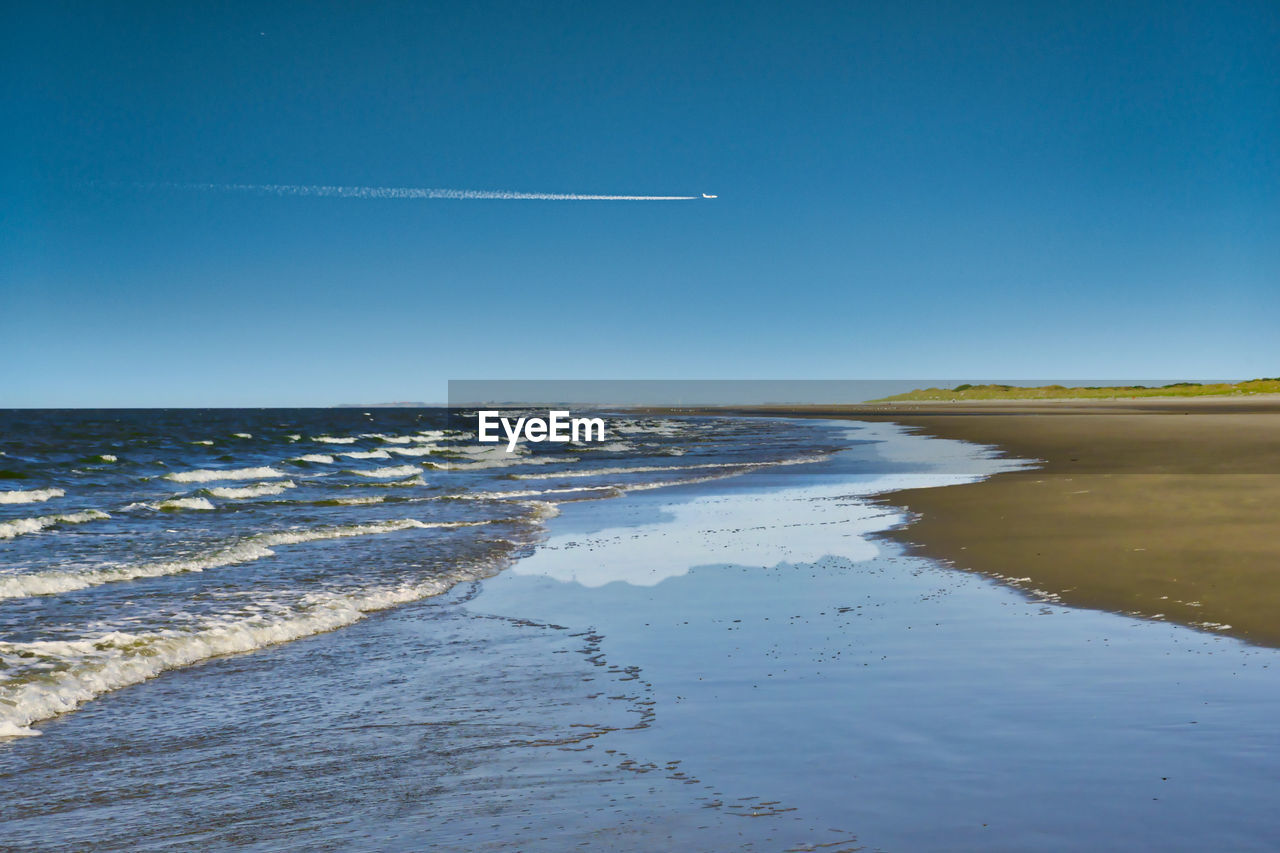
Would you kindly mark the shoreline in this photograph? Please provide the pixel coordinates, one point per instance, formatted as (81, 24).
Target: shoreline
(742, 645)
(1160, 508)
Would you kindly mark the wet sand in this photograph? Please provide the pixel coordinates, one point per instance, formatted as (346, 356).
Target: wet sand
(877, 701)
(1164, 508)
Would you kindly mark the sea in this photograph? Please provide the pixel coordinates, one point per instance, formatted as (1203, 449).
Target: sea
(137, 542)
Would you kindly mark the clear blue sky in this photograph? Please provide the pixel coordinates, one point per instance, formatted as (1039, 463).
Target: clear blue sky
(943, 189)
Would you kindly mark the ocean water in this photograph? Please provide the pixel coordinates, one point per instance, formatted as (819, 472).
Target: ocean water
(137, 542)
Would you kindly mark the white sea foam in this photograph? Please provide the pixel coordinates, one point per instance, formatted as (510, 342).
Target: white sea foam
(496, 456)
(489, 451)
(415, 480)
(366, 454)
(389, 439)
(107, 457)
(376, 499)
(524, 493)
(29, 496)
(420, 438)
(204, 475)
(509, 463)
(244, 551)
(542, 510)
(390, 472)
(19, 526)
(174, 504)
(425, 450)
(329, 439)
(80, 670)
(258, 490)
(242, 435)
(317, 458)
(650, 469)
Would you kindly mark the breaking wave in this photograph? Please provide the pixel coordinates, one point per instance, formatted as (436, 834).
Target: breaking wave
(244, 551)
(175, 504)
(316, 458)
(206, 475)
(17, 527)
(390, 472)
(29, 496)
(76, 671)
(257, 491)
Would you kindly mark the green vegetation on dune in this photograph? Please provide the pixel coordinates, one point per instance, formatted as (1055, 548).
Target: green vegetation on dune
(1090, 392)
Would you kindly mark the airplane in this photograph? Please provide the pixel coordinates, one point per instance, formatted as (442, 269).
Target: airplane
(704, 195)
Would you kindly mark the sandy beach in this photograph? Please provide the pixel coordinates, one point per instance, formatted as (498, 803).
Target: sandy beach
(1165, 508)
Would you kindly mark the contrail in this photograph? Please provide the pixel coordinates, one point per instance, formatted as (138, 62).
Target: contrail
(409, 192)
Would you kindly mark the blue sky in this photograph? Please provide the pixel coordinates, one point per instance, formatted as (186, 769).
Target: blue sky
(1012, 190)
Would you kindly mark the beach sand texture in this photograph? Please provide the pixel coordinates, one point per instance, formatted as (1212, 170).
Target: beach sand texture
(1165, 508)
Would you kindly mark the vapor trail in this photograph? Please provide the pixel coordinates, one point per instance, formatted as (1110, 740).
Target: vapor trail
(411, 193)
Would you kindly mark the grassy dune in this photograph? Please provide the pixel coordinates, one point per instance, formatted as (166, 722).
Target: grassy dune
(961, 393)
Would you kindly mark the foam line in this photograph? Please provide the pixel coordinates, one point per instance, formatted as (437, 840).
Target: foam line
(246, 550)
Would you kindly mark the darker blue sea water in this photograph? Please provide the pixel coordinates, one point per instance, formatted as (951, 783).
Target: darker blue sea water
(135, 542)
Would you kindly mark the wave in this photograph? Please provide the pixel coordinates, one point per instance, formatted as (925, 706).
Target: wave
(638, 469)
(244, 551)
(256, 491)
(541, 510)
(411, 481)
(611, 447)
(175, 504)
(649, 469)
(389, 439)
(389, 472)
(366, 454)
(29, 496)
(329, 439)
(317, 458)
(524, 493)
(375, 499)
(242, 434)
(423, 437)
(205, 442)
(511, 461)
(79, 670)
(425, 450)
(205, 475)
(17, 527)
(497, 451)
